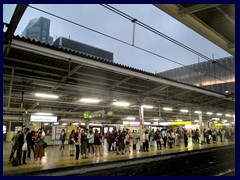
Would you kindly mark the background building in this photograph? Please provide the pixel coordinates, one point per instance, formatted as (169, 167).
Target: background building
(217, 75)
(84, 48)
(38, 29)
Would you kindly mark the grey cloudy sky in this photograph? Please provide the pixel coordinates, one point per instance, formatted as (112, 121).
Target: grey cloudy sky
(101, 19)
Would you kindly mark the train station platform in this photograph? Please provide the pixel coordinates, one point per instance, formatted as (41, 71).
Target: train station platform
(59, 162)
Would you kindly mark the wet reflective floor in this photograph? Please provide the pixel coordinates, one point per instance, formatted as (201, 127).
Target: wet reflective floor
(55, 158)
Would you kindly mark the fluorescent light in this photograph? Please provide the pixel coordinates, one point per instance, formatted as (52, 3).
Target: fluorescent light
(225, 121)
(167, 109)
(45, 124)
(64, 124)
(196, 120)
(209, 113)
(46, 95)
(82, 124)
(75, 124)
(130, 118)
(56, 123)
(219, 114)
(89, 100)
(134, 123)
(198, 112)
(228, 115)
(147, 106)
(183, 110)
(44, 114)
(179, 120)
(226, 124)
(165, 123)
(125, 122)
(120, 103)
(156, 119)
(146, 123)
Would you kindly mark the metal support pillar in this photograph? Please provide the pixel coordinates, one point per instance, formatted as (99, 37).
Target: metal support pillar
(10, 88)
(141, 126)
(201, 129)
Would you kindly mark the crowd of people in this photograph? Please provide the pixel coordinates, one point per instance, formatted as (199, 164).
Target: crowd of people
(89, 142)
(25, 142)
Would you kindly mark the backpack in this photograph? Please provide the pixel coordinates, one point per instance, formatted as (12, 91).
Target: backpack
(14, 162)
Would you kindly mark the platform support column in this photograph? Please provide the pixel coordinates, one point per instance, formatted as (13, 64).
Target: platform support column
(201, 139)
(141, 126)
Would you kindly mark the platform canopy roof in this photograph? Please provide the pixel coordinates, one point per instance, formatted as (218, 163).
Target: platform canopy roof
(216, 22)
(34, 67)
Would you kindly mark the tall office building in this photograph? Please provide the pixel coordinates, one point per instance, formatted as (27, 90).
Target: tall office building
(38, 29)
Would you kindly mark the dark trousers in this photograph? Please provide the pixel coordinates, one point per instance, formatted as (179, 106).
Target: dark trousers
(77, 151)
(62, 145)
(165, 141)
(109, 146)
(134, 146)
(20, 156)
(89, 147)
(159, 146)
(12, 153)
(145, 146)
(29, 150)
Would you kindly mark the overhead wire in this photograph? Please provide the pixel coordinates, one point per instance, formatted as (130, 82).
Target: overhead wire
(130, 18)
(124, 42)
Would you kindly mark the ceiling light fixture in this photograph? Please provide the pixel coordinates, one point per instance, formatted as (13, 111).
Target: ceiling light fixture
(183, 110)
(46, 95)
(89, 100)
(44, 114)
(147, 106)
(167, 109)
(120, 103)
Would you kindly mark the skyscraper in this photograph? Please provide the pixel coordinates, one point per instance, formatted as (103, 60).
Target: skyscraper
(38, 29)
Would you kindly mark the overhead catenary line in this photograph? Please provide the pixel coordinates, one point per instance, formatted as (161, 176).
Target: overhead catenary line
(130, 18)
(124, 42)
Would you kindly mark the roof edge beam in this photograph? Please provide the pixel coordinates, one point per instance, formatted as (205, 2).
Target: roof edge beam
(196, 8)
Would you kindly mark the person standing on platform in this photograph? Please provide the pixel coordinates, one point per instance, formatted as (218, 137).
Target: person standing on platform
(21, 140)
(71, 143)
(185, 136)
(77, 142)
(121, 141)
(151, 137)
(15, 145)
(178, 136)
(62, 139)
(127, 142)
(164, 137)
(83, 144)
(98, 143)
(220, 134)
(29, 142)
(90, 137)
(39, 150)
(146, 141)
(157, 137)
(134, 139)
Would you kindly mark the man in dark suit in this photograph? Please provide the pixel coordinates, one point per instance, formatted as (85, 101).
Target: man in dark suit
(29, 142)
(21, 140)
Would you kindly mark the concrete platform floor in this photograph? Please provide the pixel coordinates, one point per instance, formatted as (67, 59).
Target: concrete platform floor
(55, 158)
